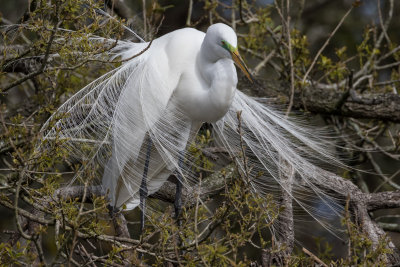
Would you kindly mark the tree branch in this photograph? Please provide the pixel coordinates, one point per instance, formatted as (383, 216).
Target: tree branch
(378, 106)
(382, 200)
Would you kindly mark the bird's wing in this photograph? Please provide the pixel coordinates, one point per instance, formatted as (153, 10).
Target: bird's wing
(278, 148)
(112, 116)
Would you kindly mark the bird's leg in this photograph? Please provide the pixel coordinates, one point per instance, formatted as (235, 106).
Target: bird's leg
(178, 194)
(143, 187)
(112, 210)
(178, 199)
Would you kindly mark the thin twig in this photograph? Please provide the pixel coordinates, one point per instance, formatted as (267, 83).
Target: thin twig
(289, 40)
(315, 258)
(189, 15)
(325, 44)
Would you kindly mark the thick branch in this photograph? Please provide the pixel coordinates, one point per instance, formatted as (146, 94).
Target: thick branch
(383, 200)
(285, 224)
(323, 100)
(211, 186)
(76, 192)
(27, 214)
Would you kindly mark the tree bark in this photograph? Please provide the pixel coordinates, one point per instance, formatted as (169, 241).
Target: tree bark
(385, 107)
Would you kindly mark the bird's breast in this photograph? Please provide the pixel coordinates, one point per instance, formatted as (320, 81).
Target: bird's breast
(205, 93)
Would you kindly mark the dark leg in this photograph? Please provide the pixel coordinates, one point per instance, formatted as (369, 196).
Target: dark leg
(178, 198)
(178, 194)
(143, 187)
(112, 210)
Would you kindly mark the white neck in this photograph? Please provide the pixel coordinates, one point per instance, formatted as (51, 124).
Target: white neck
(221, 78)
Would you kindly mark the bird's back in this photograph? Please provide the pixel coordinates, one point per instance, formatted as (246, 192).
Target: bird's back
(174, 52)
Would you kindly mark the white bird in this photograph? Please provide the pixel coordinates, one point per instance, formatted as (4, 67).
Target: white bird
(137, 120)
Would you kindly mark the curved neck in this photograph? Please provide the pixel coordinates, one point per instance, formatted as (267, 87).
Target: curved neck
(207, 51)
(221, 78)
(205, 62)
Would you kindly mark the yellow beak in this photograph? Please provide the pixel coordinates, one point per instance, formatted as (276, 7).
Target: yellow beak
(240, 63)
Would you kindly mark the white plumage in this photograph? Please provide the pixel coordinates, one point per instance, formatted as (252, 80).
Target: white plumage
(183, 79)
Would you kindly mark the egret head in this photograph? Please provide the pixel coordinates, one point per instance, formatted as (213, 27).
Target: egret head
(223, 41)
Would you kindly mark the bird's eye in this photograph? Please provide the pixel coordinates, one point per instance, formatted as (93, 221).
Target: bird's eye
(224, 44)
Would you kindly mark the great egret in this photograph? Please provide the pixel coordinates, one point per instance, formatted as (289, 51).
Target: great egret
(138, 119)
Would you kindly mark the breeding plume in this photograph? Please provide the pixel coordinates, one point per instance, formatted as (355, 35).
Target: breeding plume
(137, 121)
